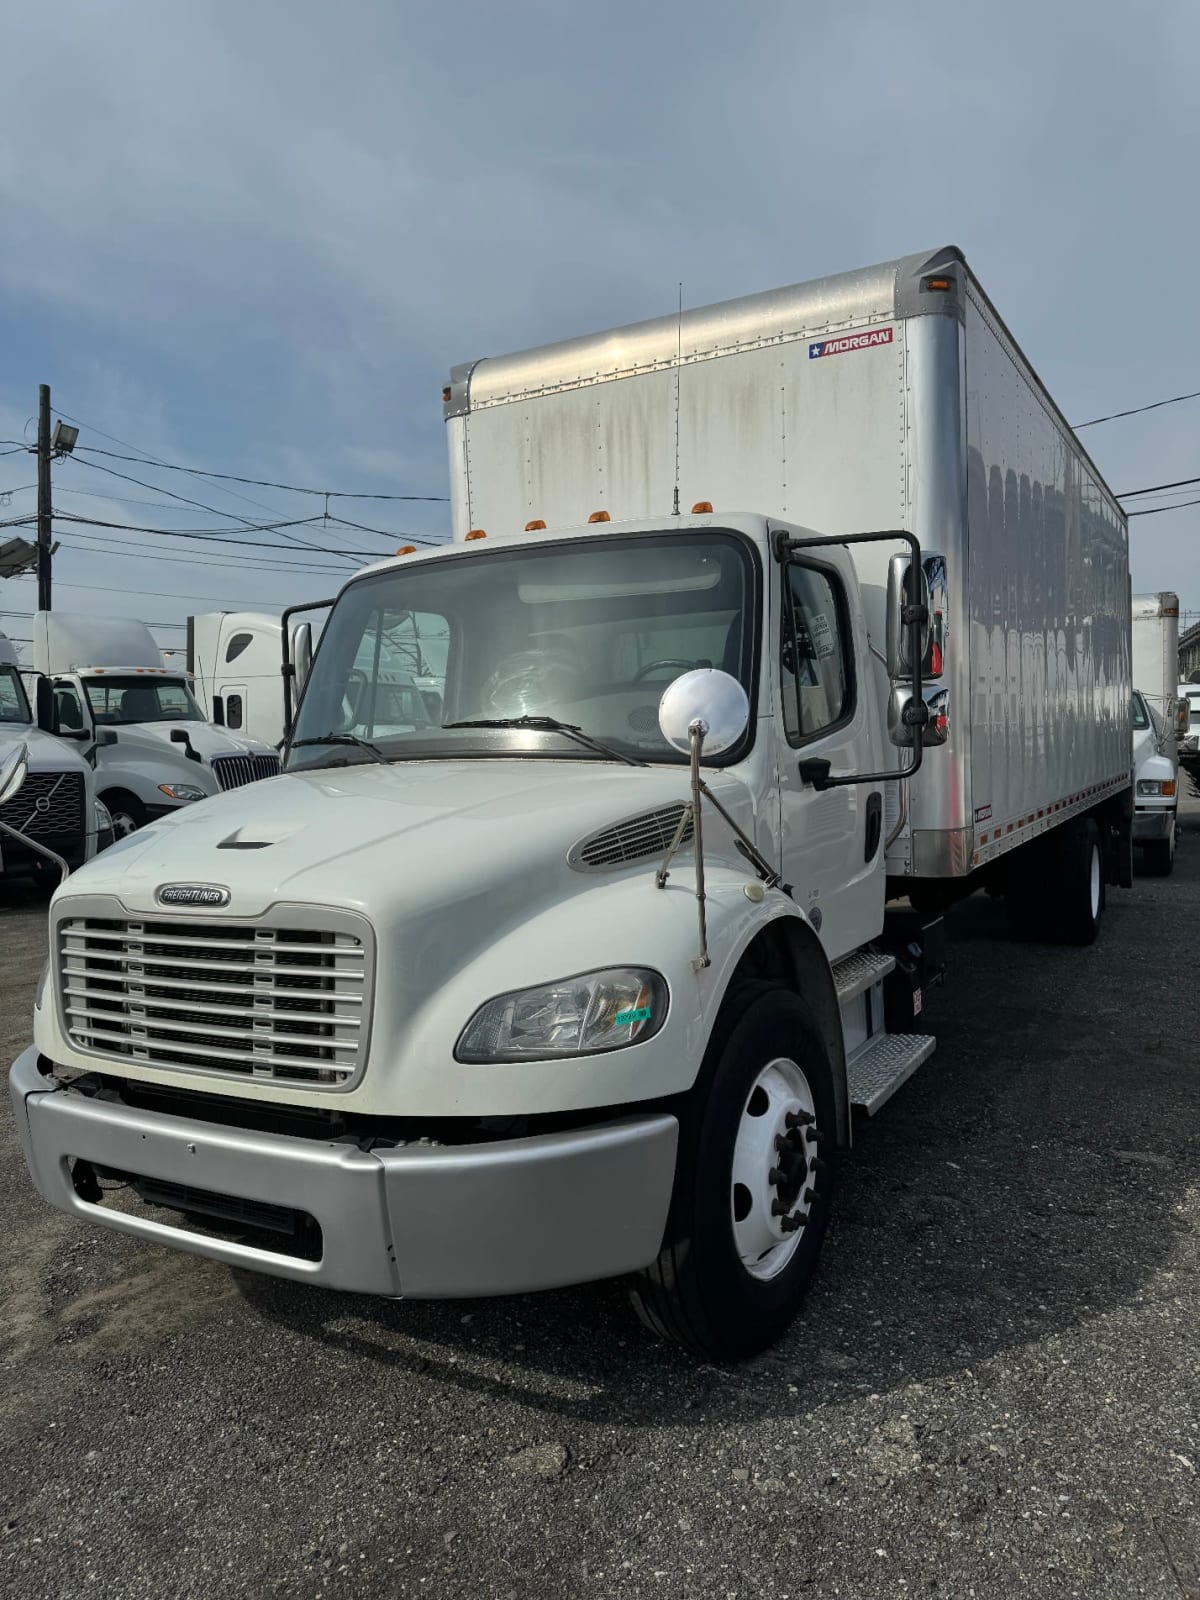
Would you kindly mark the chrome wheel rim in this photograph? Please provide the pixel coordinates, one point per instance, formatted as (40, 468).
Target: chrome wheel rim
(1095, 882)
(773, 1168)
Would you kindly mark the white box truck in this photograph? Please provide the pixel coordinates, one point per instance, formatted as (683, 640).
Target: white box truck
(588, 975)
(155, 751)
(1160, 718)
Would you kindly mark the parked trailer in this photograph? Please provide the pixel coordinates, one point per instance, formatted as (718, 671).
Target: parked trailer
(588, 975)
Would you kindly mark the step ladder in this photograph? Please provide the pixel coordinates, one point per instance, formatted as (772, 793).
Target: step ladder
(878, 1063)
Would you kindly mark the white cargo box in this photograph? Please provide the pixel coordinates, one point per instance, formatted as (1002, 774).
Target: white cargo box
(892, 397)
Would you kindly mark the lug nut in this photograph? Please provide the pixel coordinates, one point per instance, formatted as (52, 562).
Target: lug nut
(796, 1220)
(816, 1164)
(799, 1119)
(775, 1177)
(813, 1135)
(809, 1196)
(780, 1208)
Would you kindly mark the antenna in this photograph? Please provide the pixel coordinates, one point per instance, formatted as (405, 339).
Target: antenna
(678, 361)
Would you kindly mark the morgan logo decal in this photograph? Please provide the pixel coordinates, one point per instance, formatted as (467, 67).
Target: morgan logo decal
(983, 813)
(193, 894)
(850, 341)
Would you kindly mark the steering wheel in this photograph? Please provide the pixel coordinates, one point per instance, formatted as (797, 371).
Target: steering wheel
(654, 666)
(530, 681)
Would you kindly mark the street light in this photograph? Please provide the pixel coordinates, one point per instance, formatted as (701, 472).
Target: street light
(62, 440)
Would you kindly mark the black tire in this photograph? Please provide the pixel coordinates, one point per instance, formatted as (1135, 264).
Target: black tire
(699, 1293)
(126, 810)
(1078, 886)
(1158, 855)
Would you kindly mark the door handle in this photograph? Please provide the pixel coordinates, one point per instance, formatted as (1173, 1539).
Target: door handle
(874, 828)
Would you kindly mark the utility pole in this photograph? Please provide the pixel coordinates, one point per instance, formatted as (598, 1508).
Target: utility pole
(45, 510)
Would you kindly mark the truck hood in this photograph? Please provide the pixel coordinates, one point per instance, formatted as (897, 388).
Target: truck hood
(46, 753)
(483, 839)
(207, 740)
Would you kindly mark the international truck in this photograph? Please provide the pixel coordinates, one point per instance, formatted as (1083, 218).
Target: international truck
(155, 751)
(233, 659)
(1160, 717)
(767, 628)
(51, 820)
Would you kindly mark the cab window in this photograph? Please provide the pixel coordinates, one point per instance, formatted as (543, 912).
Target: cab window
(816, 679)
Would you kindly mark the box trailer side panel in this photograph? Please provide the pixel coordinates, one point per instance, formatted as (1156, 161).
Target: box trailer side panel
(1049, 604)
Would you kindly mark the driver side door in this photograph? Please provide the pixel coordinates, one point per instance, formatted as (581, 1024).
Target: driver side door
(831, 838)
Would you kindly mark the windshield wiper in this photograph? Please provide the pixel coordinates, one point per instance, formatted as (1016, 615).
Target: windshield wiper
(552, 725)
(344, 738)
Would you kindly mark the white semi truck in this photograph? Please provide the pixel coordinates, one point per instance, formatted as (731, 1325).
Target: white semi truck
(155, 751)
(53, 815)
(753, 619)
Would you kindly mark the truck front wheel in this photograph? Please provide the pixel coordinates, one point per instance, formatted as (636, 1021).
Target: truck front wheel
(754, 1182)
(1158, 855)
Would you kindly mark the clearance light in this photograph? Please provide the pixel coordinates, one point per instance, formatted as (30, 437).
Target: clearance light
(446, 395)
(942, 285)
(599, 516)
(406, 550)
(477, 533)
(701, 508)
(535, 526)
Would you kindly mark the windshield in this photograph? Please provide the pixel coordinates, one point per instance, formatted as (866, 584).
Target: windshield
(122, 699)
(14, 706)
(588, 632)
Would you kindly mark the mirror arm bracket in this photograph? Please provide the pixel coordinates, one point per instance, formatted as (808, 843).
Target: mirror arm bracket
(914, 616)
(288, 666)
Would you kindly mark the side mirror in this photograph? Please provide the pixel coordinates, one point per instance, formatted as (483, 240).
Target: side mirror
(302, 652)
(903, 725)
(12, 772)
(934, 596)
(106, 736)
(179, 736)
(712, 703)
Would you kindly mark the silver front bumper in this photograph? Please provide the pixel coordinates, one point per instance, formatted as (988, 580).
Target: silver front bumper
(1152, 824)
(424, 1222)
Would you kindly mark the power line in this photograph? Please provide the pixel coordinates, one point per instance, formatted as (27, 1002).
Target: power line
(159, 594)
(1153, 511)
(229, 516)
(221, 537)
(1136, 411)
(265, 483)
(131, 550)
(1159, 488)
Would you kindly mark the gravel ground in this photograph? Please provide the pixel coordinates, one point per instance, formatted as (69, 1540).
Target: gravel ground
(993, 1392)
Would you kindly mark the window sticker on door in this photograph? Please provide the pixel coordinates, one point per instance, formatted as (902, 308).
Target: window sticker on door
(822, 635)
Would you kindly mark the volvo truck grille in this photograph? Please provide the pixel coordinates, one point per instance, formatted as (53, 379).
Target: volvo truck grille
(232, 772)
(47, 805)
(284, 1004)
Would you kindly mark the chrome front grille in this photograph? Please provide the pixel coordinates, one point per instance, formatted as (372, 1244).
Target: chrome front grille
(286, 1004)
(48, 805)
(632, 840)
(232, 772)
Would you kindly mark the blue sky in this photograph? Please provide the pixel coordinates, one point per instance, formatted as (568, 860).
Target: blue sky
(255, 237)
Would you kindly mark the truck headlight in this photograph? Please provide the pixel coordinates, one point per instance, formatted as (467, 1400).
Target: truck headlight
(587, 1015)
(183, 791)
(1165, 786)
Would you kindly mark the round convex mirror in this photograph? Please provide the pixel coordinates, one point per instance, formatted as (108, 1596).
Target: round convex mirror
(712, 698)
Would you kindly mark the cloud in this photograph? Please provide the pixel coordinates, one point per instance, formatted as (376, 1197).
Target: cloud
(259, 236)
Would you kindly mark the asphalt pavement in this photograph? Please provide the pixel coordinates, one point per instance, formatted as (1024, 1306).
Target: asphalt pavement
(993, 1391)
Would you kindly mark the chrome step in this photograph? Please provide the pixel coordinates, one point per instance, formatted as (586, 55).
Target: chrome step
(884, 1066)
(856, 973)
